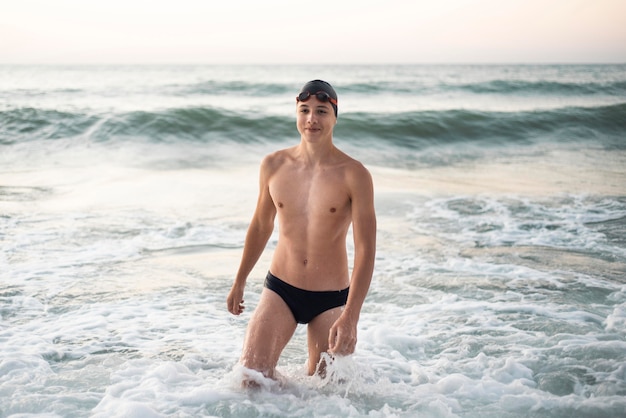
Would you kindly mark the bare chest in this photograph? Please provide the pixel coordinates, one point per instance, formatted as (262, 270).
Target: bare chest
(319, 194)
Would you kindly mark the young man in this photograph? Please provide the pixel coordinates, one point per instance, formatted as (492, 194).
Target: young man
(316, 191)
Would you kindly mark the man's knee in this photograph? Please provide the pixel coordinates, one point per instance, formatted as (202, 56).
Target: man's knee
(260, 363)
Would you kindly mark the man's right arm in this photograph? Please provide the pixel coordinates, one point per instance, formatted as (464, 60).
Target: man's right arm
(259, 232)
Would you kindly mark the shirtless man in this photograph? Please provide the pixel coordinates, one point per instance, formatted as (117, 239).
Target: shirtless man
(317, 191)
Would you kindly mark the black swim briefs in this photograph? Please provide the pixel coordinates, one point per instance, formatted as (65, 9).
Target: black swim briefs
(306, 304)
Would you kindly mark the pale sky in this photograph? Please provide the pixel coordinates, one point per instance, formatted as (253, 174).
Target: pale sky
(320, 31)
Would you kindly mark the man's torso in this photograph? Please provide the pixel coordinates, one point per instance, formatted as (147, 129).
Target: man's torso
(314, 212)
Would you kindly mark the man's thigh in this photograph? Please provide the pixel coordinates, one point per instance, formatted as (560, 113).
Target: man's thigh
(271, 327)
(317, 332)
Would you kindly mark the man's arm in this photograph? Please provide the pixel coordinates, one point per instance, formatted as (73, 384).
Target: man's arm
(342, 336)
(259, 232)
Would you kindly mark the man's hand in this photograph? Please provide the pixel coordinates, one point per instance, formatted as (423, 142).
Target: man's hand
(342, 336)
(234, 301)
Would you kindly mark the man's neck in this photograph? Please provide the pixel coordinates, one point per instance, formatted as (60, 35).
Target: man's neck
(316, 153)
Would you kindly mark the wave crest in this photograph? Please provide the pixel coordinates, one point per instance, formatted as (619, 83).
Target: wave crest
(412, 130)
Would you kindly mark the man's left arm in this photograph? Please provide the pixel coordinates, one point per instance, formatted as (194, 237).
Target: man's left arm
(342, 336)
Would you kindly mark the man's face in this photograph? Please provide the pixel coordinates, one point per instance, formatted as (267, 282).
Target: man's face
(315, 117)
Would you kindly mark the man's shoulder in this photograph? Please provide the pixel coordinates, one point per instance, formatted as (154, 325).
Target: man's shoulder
(346, 160)
(356, 171)
(353, 165)
(276, 159)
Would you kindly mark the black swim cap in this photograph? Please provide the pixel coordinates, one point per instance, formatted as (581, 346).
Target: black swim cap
(319, 85)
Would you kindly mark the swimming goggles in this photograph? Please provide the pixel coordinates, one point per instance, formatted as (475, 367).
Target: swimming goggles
(322, 96)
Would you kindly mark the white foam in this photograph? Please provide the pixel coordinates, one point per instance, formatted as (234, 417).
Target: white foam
(616, 321)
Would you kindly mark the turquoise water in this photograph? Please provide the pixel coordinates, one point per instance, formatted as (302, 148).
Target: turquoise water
(499, 286)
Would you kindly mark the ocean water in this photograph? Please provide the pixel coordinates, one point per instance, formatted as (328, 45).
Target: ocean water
(500, 281)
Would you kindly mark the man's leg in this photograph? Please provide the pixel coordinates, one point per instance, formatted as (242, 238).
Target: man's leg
(271, 327)
(317, 332)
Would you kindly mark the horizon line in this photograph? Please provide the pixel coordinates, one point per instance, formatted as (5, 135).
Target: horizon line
(267, 64)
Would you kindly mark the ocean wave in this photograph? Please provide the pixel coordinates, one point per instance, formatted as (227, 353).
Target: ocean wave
(604, 125)
(29, 123)
(215, 87)
(520, 87)
(195, 124)
(497, 86)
